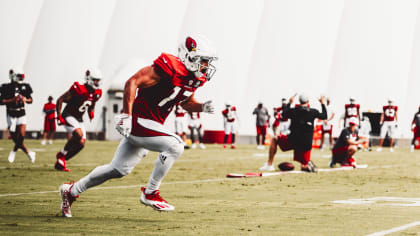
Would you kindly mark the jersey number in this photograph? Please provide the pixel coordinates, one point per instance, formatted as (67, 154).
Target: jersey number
(85, 106)
(352, 111)
(390, 112)
(173, 95)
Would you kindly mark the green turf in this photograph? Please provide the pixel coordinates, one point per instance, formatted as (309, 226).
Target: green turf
(292, 204)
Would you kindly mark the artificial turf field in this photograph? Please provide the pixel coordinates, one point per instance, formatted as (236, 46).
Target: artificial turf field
(206, 202)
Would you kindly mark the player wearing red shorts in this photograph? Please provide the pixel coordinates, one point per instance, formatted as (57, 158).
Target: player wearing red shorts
(79, 98)
(261, 123)
(149, 97)
(49, 121)
(301, 133)
(346, 145)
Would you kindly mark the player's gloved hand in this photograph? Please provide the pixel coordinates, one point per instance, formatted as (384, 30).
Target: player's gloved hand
(91, 115)
(61, 120)
(208, 107)
(123, 124)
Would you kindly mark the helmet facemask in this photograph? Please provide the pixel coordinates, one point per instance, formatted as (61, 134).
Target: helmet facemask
(93, 78)
(16, 76)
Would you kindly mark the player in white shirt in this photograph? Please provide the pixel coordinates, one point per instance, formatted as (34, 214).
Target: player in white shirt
(389, 119)
(229, 118)
(327, 126)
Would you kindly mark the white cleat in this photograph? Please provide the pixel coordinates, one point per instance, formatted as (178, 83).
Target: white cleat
(43, 142)
(50, 141)
(412, 148)
(266, 167)
(194, 146)
(31, 156)
(202, 146)
(260, 147)
(379, 149)
(155, 201)
(66, 199)
(391, 150)
(12, 156)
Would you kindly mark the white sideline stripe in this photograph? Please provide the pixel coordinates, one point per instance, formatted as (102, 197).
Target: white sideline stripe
(120, 187)
(48, 165)
(396, 229)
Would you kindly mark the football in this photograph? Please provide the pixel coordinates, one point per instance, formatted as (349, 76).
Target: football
(286, 166)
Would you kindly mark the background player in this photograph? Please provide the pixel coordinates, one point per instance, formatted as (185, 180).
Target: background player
(351, 110)
(14, 95)
(347, 145)
(195, 127)
(180, 126)
(280, 124)
(49, 121)
(170, 80)
(261, 123)
(79, 98)
(302, 119)
(389, 119)
(416, 129)
(327, 126)
(229, 118)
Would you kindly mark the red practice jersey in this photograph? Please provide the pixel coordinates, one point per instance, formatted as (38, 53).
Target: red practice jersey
(49, 109)
(82, 99)
(179, 111)
(177, 84)
(278, 116)
(352, 110)
(229, 114)
(390, 112)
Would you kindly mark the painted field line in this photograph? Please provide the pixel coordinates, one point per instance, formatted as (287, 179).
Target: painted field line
(396, 229)
(121, 187)
(45, 165)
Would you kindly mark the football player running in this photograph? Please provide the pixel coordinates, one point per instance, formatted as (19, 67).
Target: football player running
(79, 98)
(169, 81)
(351, 110)
(14, 95)
(389, 119)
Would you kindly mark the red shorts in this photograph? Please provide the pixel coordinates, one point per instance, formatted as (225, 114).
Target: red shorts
(49, 125)
(261, 129)
(340, 155)
(301, 156)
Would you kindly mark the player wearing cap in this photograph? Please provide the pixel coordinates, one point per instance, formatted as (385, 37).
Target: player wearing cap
(301, 133)
(346, 145)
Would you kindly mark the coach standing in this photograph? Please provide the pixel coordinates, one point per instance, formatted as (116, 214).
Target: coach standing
(301, 133)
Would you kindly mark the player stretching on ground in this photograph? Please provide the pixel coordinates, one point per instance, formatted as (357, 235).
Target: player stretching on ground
(346, 145)
(389, 119)
(416, 129)
(49, 121)
(169, 81)
(351, 110)
(79, 98)
(14, 95)
(301, 134)
(229, 120)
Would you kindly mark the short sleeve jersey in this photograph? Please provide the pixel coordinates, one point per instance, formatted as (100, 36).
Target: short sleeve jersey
(345, 135)
(229, 114)
(351, 110)
(82, 99)
(11, 90)
(49, 109)
(390, 112)
(176, 85)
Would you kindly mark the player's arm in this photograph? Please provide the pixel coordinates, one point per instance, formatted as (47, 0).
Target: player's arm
(382, 118)
(91, 111)
(332, 116)
(66, 97)
(192, 105)
(144, 78)
(323, 115)
(27, 100)
(356, 142)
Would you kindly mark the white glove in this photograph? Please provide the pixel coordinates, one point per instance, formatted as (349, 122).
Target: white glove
(123, 124)
(208, 107)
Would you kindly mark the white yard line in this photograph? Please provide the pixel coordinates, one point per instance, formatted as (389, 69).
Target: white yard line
(44, 165)
(396, 229)
(122, 187)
